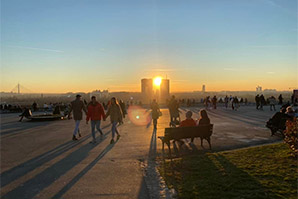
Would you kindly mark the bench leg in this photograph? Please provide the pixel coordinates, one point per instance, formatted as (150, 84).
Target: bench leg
(209, 142)
(163, 147)
(169, 146)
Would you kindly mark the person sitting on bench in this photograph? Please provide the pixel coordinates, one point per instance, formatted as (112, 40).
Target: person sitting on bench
(187, 122)
(203, 120)
(278, 121)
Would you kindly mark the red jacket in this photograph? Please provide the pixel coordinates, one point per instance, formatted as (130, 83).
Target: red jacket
(188, 122)
(95, 112)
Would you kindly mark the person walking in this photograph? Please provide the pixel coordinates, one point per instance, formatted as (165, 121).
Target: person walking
(226, 101)
(174, 111)
(123, 108)
(272, 103)
(116, 116)
(77, 106)
(280, 99)
(262, 101)
(155, 113)
(257, 99)
(214, 101)
(95, 113)
(235, 103)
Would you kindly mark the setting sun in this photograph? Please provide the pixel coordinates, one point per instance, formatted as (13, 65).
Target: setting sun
(157, 81)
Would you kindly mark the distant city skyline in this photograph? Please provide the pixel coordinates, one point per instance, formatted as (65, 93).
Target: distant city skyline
(21, 90)
(58, 46)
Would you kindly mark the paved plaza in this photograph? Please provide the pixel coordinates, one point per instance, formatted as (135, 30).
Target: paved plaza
(39, 159)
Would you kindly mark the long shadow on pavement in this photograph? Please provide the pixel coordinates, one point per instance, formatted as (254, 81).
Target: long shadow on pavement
(152, 149)
(22, 169)
(18, 127)
(144, 192)
(44, 179)
(84, 171)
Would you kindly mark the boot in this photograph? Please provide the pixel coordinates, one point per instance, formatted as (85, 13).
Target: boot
(74, 138)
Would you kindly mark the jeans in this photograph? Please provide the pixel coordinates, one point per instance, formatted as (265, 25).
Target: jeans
(77, 122)
(114, 129)
(95, 123)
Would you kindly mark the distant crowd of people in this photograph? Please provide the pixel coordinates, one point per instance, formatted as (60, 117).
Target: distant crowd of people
(10, 108)
(116, 110)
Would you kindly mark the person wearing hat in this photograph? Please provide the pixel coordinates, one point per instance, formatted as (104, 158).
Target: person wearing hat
(77, 106)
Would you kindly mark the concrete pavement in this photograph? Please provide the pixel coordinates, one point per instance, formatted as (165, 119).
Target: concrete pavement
(39, 159)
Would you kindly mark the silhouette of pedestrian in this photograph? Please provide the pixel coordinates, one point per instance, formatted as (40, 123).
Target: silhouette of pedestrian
(280, 99)
(257, 99)
(262, 101)
(115, 113)
(155, 113)
(214, 101)
(174, 111)
(77, 106)
(226, 101)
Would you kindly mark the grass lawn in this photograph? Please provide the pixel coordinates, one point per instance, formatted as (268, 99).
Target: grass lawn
(259, 172)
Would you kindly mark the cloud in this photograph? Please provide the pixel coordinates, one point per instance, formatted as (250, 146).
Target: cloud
(38, 49)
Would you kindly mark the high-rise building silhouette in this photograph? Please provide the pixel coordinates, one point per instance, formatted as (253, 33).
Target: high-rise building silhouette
(147, 90)
(164, 90)
(203, 88)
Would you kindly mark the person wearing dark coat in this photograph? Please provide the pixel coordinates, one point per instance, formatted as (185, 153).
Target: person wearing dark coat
(280, 99)
(77, 106)
(278, 121)
(155, 113)
(257, 99)
(26, 113)
(262, 101)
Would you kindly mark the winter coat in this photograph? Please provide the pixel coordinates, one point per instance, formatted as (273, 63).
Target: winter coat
(77, 106)
(115, 113)
(95, 112)
(155, 111)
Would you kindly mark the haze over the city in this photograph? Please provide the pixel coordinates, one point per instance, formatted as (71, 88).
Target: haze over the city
(55, 46)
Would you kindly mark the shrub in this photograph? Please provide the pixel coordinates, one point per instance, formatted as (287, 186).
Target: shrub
(291, 135)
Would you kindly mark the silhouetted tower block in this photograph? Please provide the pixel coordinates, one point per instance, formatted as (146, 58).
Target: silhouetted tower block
(203, 88)
(164, 90)
(147, 90)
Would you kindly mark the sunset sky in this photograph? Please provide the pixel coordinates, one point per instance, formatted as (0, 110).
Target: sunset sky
(55, 46)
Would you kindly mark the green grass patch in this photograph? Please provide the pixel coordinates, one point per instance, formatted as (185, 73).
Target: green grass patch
(260, 172)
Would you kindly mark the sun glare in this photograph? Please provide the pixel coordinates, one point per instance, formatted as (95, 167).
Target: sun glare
(157, 81)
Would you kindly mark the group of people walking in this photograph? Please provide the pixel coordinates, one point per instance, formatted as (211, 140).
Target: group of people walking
(261, 101)
(95, 112)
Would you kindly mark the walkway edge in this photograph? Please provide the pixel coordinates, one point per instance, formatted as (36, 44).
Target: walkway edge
(155, 184)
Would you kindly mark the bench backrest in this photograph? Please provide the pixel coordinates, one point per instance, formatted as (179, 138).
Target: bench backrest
(203, 131)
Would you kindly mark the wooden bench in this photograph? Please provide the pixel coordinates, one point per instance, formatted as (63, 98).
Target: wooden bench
(201, 131)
